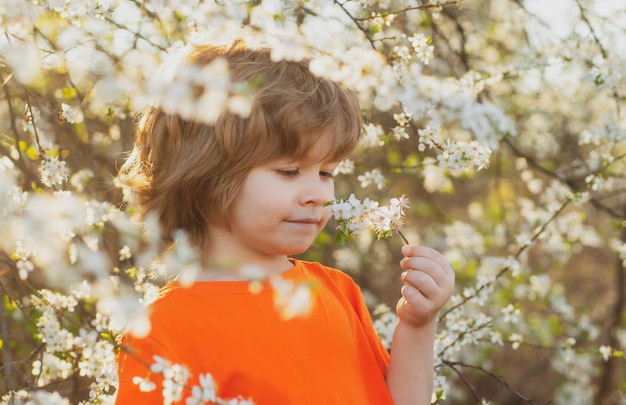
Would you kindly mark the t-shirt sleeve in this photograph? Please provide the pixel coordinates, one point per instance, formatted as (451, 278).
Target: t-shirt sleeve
(355, 296)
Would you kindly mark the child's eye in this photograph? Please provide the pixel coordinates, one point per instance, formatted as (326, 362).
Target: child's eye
(327, 175)
(288, 172)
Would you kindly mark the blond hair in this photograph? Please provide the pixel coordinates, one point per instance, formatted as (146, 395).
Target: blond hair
(189, 172)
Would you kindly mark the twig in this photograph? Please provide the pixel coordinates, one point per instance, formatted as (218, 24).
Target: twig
(572, 182)
(413, 8)
(356, 22)
(464, 380)
(403, 237)
(8, 360)
(608, 372)
(497, 378)
(603, 51)
(32, 118)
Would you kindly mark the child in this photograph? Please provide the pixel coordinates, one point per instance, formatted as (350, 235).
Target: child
(252, 191)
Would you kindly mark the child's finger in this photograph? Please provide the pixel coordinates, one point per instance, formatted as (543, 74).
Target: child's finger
(411, 253)
(427, 265)
(423, 282)
(415, 306)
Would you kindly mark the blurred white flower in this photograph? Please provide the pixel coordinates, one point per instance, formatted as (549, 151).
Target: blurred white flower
(124, 253)
(435, 178)
(374, 177)
(385, 323)
(174, 380)
(195, 93)
(81, 178)
(50, 368)
(516, 340)
(291, 299)
(372, 136)
(160, 364)
(203, 393)
(402, 53)
(510, 314)
(24, 267)
(97, 212)
(240, 104)
(606, 352)
(346, 166)
(145, 385)
(23, 60)
(56, 5)
(46, 398)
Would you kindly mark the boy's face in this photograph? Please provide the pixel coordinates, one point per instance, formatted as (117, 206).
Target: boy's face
(280, 207)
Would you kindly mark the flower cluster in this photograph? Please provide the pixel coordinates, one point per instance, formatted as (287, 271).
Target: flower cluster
(95, 357)
(54, 172)
(422, 47)
(461, 156)
(374, 177)
(38, 397)
(194, 92)
(385, 323)
(175, 381)
(354, 216)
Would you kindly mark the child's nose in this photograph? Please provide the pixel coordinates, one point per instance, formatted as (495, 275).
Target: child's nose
(317, 191)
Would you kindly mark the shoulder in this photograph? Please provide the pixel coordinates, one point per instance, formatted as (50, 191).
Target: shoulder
(171, 301)
(329, 276)
(339, 285)
(320, 270)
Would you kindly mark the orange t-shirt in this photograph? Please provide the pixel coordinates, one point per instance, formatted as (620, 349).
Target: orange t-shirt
(330, 356)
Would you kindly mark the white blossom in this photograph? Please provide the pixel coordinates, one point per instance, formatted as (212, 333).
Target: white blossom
(24, 268)
(23, 59)
(422, 48)
(358, 216)
(145, 385)
(606, 352)
(374, 177)
(203, 393)
(54, 172)
(372, 136)
(516, 339)
(346, 166)
(510, 314)
(81, 178)
(70, 115)
(385, 324)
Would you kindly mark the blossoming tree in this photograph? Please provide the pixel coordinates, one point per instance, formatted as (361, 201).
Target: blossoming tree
(494, 132)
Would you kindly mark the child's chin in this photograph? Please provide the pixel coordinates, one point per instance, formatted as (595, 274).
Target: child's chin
(297, 250)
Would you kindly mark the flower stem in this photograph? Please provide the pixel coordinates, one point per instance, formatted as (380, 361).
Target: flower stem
(403, 237)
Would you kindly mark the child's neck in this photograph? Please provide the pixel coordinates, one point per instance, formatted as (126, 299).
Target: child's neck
(238, 269)
(228, 261)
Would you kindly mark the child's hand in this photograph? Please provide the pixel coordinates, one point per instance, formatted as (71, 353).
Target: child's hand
(428, 284)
